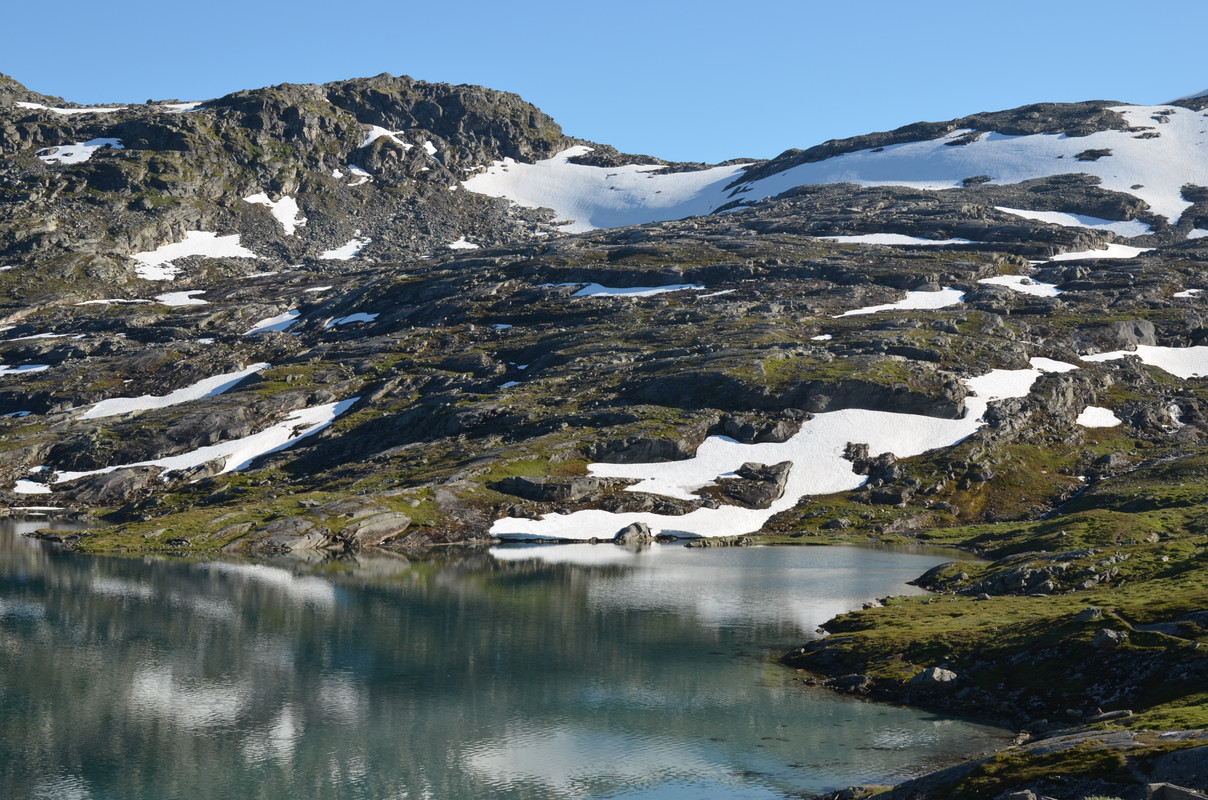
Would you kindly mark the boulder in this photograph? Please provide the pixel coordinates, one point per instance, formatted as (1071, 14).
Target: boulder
(373, 531)
(934, 677)
(635, 533)
(1107, 639)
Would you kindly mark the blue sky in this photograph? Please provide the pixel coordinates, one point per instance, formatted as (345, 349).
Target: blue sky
(701, 81)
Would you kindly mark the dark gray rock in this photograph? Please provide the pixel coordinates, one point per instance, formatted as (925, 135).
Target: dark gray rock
(634, 533)
(757, 485)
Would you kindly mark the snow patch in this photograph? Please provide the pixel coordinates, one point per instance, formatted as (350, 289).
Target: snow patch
(278, 323)
(181, 298)
(1126, 229)
(1097, 417)
(598, 290)
(157, 264)
(1112, 251)
(376, 132)
(76, 153)
(360, 316)
(462, 244)
(237, 454)
(70, 111)
(1187, 293)
(207, 387)
(1023, 285)
(1182, 362)
(347, 250)
(285, 211)
(914, 301)
(890, 239)
(24, 369)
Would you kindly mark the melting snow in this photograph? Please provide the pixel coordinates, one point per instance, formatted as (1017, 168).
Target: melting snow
(77, 153)
(1127, 229)
(1197, 233)
(318, 289)
(1023, 285)
(277, 323)
(1097, 417)
(1187, 293)
(462, 244)
(347, 250)
(429, 148)
(156, 265)
(181, 298)
(207, 387)
(890, 239)
(914, 301)
(238, 454)
(284, 211)
(1182, 362)
(816, 452)
(509, 384)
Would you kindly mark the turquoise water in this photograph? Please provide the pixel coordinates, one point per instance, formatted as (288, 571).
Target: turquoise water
(557, 672)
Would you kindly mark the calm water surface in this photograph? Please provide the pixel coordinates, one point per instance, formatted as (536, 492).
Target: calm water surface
(554, 672)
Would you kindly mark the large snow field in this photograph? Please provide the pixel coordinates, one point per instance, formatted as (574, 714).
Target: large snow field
(238, 454)
(1182, 362)
(207, 387)
(1126, 229)
(284, 211)
(589, 198)
(913, 301)
(77, 153)
(1159, 167)
(157, 264)
(818, 465)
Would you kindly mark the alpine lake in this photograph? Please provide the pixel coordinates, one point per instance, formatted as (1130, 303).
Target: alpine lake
(523, 671)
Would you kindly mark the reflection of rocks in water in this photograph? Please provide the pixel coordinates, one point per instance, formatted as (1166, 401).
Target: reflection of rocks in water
(290, 673)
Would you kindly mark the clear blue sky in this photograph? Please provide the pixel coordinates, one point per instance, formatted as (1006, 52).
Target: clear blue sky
(699, 80)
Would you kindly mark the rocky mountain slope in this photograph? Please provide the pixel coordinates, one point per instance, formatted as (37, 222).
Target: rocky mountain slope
(388, 313)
